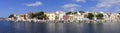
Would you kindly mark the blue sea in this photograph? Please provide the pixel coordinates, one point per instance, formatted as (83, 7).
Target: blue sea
(32, 27)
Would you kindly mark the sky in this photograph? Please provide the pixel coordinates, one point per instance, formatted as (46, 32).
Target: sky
(8, 7)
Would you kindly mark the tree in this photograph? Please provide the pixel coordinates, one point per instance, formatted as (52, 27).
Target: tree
(40, 15)
(43, 16)
(56, 17)
(11, 16)
(90, 15)
(31, 15)
(75, 13)
(81, 12)
(99, 16)
(68, 13)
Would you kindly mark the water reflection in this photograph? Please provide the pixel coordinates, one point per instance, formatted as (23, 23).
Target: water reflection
(60, 28)
(31, 27)
(50, 27)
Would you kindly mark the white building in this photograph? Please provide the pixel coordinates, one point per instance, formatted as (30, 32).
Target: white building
(60, 15)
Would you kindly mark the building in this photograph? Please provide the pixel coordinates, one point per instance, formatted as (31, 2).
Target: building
(114, 17)
(29, 15)
(21, 17)
(59, 15)
(51, 16)
(77, 16)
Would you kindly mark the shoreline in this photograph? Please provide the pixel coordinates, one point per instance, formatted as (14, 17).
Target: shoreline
(67, 21)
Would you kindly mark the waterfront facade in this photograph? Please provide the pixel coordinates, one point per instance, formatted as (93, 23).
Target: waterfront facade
(59, 15)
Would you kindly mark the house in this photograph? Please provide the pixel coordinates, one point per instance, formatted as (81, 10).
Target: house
(51, 16)
(59, 15)
(21, 17)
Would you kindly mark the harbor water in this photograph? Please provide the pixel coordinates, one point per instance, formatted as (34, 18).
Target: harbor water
(32, 27)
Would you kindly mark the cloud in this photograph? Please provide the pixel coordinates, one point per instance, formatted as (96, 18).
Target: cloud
(107, 3)
(107, 6)
(71, 7)
(80, 0)
(37, 3)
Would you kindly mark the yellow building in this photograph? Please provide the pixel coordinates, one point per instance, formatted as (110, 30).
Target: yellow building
(21, 17)
(114, 17)
(110, 17)
(51, 16)
(75, 17)
(70, 17)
